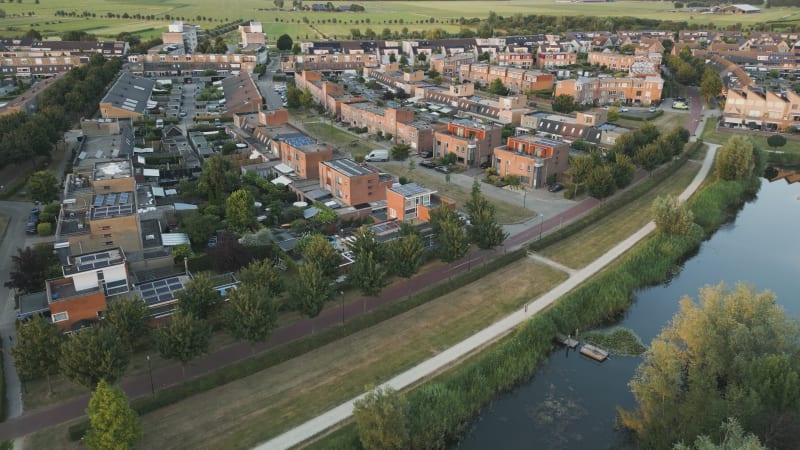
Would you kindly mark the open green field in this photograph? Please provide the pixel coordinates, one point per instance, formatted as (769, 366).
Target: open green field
(506, 212)
(720, 136)
(345, 141)
(268, 402)
(377, 15)
(586, 246)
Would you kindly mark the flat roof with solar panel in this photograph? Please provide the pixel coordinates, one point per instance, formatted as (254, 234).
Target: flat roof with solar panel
(303, 143)
(348, 167)
(411, 189)
(105, 212)
(93, 261)
(155, 293)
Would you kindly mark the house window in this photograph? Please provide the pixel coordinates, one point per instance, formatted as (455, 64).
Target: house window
(109, 242)
(60, 317)
(107, 235)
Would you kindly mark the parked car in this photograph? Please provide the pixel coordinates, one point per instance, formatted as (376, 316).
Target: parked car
(182, 114)
(623, 109)
(652, 109)
(33, 222)
(212, 241)
(428, 164)
(486, 164)
(442, 169)
(426, 155)
(555, 187)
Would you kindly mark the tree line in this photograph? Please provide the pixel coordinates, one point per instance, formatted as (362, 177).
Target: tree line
(601, 173)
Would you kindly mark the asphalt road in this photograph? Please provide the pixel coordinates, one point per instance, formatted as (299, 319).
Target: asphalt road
(13, 238)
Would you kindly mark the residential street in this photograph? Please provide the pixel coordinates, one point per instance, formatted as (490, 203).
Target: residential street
(17, 426)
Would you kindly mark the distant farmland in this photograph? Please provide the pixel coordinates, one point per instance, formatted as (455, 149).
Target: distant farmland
(379, 15)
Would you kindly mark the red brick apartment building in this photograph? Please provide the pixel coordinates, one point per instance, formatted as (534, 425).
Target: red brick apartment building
(470, 141)
(532, 159)
(412, 202)
(601, 91)
(375, 118)
(518, 80)
(303, 154)
(79, 297)
(352, 183)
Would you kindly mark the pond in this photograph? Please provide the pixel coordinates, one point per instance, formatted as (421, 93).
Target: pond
(571, 401)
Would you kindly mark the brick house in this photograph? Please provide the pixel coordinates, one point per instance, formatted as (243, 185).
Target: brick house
(470, 141)
(412, 202)
(532, 159)
(79, 297)
(352, 183)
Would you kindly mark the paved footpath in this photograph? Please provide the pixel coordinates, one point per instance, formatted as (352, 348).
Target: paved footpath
(490, 334)
(136, 387)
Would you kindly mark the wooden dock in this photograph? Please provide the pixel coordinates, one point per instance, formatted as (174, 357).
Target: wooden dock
(567, 341)
(596, 353)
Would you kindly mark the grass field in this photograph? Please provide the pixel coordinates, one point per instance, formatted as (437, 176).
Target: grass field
(506, 212)
(377, 15)
(262, 405)
(598, 238)
(345, 141)
(720, 136)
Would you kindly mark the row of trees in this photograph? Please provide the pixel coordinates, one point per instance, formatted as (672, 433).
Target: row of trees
(602, 173)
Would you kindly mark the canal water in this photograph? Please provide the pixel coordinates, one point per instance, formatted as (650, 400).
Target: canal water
(571, 401)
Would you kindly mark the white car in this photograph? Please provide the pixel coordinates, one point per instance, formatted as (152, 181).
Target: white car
(623, 109)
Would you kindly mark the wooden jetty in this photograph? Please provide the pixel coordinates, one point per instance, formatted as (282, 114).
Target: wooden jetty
(596, 353)
(567, 340)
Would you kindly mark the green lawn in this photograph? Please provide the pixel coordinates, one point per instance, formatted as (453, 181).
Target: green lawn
(720, 136)
(506, 212)
(343, 140)
(416, 15)
(269, 402)
(589, 244)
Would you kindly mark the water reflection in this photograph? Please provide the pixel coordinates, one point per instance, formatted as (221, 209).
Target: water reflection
(571, 401)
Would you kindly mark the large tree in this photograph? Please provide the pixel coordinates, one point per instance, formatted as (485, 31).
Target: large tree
(564, 103)
(400, 152)
(31, 267)
(600, 182)
(262, 274)
(735, 159)
(368, 274)
(199, 297)
(38, 349)
(497, 87)
(184, 339)
(129, 316)
(94, 354)
(710, 84)
(671, 216)
(318, 250)
(199, 227)
(733, 438)
(450, 235)
(310, 290)
(43, 186)
(113, 424)
(217, 179)
(735, 351)
(251, 314)
(381, 420)
(405, 255)
(240, 211)
(284, 43)
(483, 229)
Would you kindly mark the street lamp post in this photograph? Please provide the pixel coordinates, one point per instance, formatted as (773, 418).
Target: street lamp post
(541, 225)
(150, 371)
(524, 197)
(342, 294)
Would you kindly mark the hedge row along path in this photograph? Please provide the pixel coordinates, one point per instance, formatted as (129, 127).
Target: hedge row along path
(486, 336)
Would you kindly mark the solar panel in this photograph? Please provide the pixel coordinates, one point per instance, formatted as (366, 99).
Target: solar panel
(123, 198)
(111, 199)
(98, 200)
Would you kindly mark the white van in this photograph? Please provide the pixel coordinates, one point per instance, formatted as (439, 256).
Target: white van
(377, 155)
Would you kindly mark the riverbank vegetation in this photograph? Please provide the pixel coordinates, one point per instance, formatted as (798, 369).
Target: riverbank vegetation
(440, 411)
(619, 341)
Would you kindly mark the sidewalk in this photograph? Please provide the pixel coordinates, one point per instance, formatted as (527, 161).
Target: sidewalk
(140, 386)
